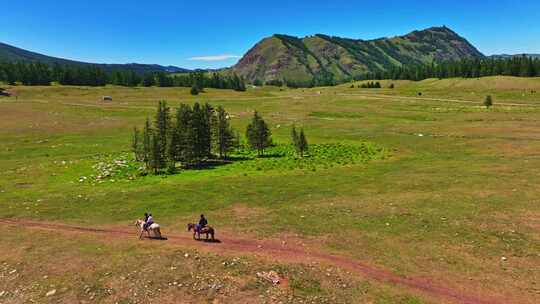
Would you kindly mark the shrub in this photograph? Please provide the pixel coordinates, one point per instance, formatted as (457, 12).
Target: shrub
(488, 102)
(194, 90)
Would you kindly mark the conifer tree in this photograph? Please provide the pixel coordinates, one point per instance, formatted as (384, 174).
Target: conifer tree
(201, 132)
(156, 158)
(136, 144)
(185, 135)
(194, 90)
(148, 80)
(223, 133)
(302, 145)
(294, 136)
(258, 134)
(162, 132)
(147, 148)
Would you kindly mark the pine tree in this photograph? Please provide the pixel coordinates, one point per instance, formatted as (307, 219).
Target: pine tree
(223, 133)
(302, 145)
(156, 158)
(162, 132)
(258, 134)
(194, 90)
(148, 80)
(147, 148)
(197, 133)
(184, 132)
(294, 137)
(136, 144)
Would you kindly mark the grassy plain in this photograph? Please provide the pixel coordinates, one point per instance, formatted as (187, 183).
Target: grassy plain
(456, 192)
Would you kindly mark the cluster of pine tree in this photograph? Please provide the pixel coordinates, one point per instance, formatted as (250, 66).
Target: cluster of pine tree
(371, 85)
(521, 66)
(26, 73)
(36, 73)
(193, 136)
(324, 78)
(202, 80)
(190, 137)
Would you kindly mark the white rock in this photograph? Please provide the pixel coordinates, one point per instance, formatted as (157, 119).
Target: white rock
(51, 293)
(504, 259)
(2, 293)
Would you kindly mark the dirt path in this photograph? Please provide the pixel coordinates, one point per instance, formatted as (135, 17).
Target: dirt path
(386, 97)
(284, 253)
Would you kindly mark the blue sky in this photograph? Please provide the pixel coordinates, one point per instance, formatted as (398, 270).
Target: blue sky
(213, 33)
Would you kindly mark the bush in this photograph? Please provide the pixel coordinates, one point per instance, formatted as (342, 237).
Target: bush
(194, 90)
(371, 85)
(488, 102)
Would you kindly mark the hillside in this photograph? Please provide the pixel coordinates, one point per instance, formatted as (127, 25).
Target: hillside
(318, 57)
(10, 53)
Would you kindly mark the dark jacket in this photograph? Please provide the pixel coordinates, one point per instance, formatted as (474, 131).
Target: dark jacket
(203, 222)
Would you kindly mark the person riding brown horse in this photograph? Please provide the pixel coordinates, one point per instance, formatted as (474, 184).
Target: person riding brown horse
(202, 223)
(201, 227)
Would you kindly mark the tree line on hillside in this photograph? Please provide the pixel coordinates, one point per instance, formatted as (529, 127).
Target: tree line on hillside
(197, 134)
(522, 66)
(323, 78)
(37, 73)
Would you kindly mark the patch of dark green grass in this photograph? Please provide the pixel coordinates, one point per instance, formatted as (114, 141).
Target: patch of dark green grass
(342, 115)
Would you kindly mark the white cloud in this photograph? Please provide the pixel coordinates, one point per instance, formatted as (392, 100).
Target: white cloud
(214, 57)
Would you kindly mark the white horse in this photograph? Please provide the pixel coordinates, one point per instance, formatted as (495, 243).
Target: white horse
(152, 231)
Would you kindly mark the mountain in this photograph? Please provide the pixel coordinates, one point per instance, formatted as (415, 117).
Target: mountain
(10, 53)
(303, 60)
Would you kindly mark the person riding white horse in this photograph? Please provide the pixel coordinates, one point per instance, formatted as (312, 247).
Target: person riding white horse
(148, 222)
(149, 226)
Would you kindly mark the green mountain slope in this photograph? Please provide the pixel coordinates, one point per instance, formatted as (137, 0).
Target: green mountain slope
(10, 53)
(304, 60)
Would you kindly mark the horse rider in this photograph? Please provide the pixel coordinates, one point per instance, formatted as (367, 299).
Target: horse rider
(202, 223)
(149, 221)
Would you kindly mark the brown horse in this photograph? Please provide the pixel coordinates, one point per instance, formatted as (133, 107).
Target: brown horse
(206, 230)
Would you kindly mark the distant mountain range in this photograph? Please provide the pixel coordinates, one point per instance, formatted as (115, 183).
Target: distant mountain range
(303, 59)
(10, 53)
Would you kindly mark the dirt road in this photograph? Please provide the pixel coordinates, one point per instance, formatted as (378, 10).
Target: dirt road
(286, 253)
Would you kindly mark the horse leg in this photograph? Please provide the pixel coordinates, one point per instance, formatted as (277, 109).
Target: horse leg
(159, 233)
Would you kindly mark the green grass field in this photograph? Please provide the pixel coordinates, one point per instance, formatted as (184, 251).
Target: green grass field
(451, 190)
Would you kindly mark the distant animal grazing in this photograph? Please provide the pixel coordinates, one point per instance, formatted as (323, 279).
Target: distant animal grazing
(206, 230)
(153, 230)
(107, 98)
